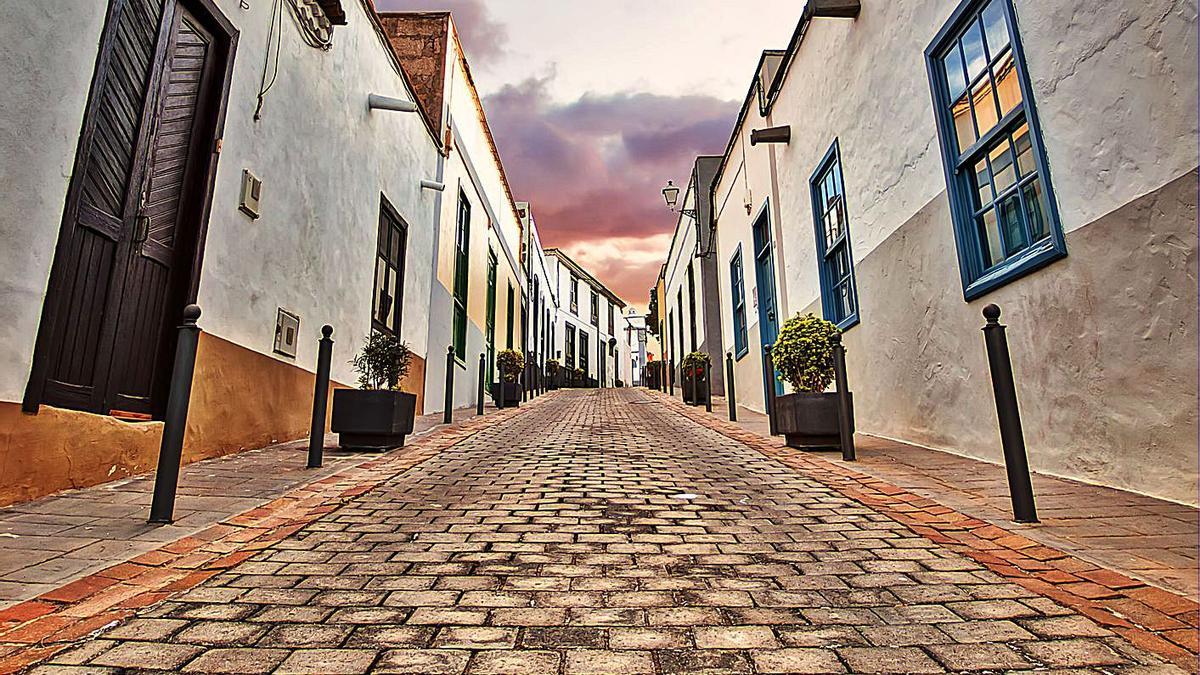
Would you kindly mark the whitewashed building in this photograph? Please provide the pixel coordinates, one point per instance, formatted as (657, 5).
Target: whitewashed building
(236, 165)
(478, 282)
(1036, 155)
(587, 333)
(542, 303)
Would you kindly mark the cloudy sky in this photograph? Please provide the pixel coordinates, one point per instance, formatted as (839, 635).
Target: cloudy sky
(596, 104)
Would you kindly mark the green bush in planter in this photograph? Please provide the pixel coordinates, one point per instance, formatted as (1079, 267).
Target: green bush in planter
(803, 353)
(692, 362)
(382, 362)
(552, 367)
(511, 363)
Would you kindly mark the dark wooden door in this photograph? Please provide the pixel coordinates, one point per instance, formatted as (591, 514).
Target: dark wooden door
(124, 256)
(163, 240)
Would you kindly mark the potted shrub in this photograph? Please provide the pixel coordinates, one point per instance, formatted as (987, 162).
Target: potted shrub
(695, 366)
(552, 374)
(803, 356)
(377, 416)
(510, 362)
(578, 378)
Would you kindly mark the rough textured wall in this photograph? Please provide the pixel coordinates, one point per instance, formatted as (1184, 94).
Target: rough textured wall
(419, 40)
(1104, 355)
(45, 73)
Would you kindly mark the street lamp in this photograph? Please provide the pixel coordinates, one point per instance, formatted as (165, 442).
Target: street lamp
(671, 196)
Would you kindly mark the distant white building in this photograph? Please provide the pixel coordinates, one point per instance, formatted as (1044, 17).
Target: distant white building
(589, 336)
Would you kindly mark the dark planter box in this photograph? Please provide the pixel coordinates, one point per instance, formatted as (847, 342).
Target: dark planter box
(810, 421)
(552, 380)
(701, 389)
(511, 392)
(372, 419)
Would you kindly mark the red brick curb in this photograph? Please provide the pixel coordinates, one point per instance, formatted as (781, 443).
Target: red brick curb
(35, 630)
(1153, 619)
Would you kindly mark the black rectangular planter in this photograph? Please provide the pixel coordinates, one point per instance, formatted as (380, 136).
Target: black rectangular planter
(511, 390)
(810, 421)
(701, 389)
(372, 419)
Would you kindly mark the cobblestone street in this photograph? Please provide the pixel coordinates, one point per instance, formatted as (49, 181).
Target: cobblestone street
(603, 531)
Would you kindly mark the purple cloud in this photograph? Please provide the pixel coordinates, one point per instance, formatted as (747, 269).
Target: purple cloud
(593, 168)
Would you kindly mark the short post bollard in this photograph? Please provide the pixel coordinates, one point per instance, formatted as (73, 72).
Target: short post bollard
(170, 453)
(707, 386)
(730, 394)
(1016, 463)
(769, 373)
(845, 409)
(316, 432)
(481, 393)
(448, 413)
(671, 377)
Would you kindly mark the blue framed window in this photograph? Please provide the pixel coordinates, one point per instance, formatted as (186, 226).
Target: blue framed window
(737, 289)
(1005, 220)
(839, 293)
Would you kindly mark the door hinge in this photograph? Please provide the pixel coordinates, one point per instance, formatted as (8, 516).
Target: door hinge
(217, 145)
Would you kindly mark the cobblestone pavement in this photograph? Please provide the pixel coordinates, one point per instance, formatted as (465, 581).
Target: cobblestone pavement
(604, 532)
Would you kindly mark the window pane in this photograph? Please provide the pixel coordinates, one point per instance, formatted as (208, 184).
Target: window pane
(985, 106)
(983, 183)
(380, 305)
(393, 297)
(1007, 86)
(989, 238)
(1002, 166)
(1010, 221)
(1024, 150)
(1035, 209)
(956, 81)
(972, 45)
(996, 27)
(963, 126)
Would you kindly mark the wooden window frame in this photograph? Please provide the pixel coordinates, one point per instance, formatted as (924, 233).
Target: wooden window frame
(390, 218)
(978, 277)
(460, 295)
(829, 248)
(737, 291)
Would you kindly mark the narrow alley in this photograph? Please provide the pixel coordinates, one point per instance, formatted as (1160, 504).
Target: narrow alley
(601, 531)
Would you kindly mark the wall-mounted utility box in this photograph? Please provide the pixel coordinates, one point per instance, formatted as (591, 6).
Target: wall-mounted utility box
(287, 333)
(251, 194)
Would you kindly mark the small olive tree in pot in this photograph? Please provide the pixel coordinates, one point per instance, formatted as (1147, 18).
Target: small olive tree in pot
(803, 356)
(552, 368)
(695, 367)
(510, 362)
(377, 416)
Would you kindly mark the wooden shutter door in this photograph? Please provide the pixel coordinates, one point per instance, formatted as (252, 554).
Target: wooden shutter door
(99, 211)
(151, 298)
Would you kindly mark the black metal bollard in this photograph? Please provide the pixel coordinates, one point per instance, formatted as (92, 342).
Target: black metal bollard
(448, 413)
(482, 367)
(845, 411)
(707, 386)
(730, 394)
(769, 373)
(316, 432)
(671, 377)
(170, 453)
(1016, 463)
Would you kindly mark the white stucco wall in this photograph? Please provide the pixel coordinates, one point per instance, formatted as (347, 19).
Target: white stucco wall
(682, 254)
(45, 73)
(745, 181)
(323, 157)
(1116, 103)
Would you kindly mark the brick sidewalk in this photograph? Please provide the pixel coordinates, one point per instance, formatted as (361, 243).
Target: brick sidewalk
(590, 532)
(1145, 538)
(49, 542)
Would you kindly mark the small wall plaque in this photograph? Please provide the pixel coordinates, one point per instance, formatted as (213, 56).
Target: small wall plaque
(287, 333)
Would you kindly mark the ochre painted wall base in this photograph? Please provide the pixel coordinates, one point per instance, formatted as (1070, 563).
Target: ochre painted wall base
(241, 399)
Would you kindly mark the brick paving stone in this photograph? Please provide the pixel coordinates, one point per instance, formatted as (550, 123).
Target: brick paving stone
(551, 540)
(237, 660)
(978, 657)
(797, 661)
